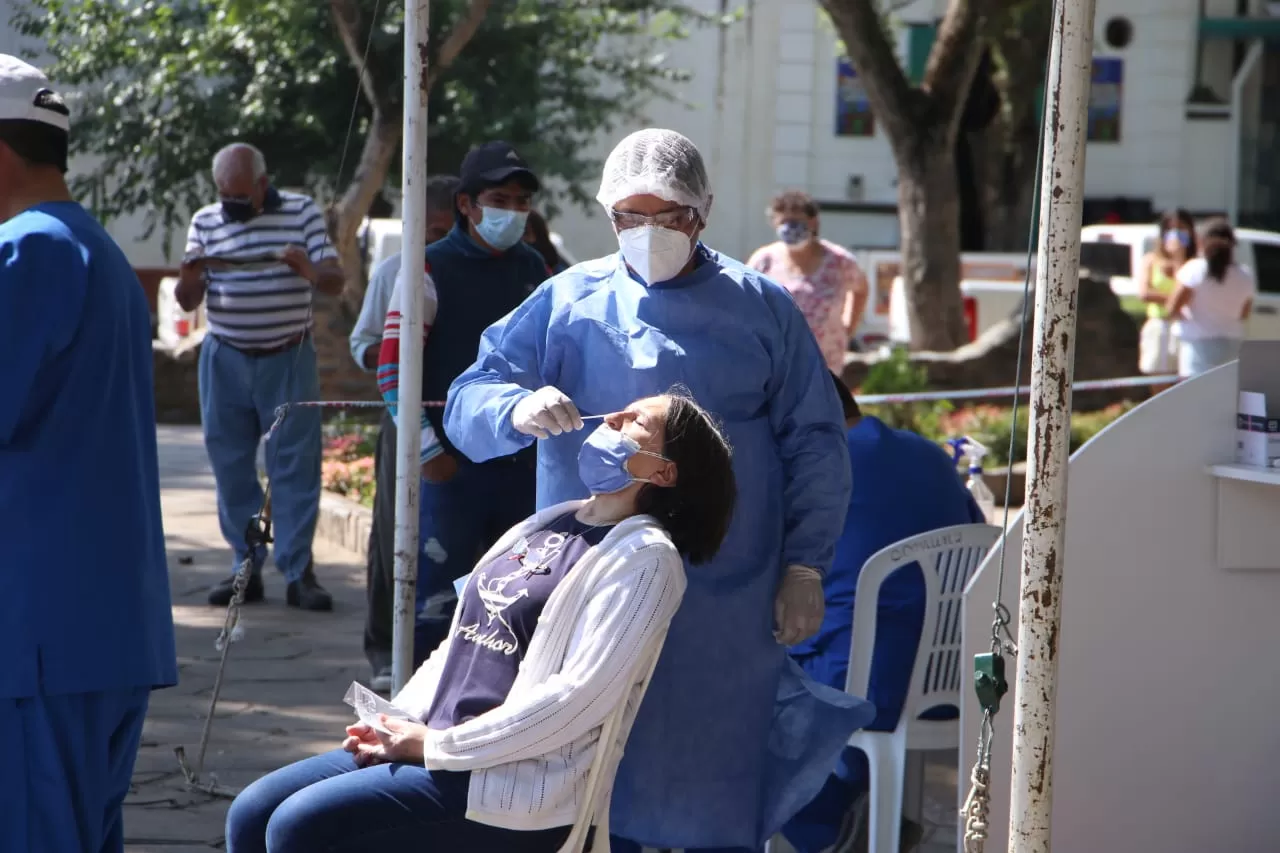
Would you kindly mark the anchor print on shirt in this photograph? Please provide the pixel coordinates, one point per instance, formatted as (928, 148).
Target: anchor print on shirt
(495, 598)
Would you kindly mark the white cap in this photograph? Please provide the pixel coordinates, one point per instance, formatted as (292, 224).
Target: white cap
(656, 162)
(27, 95)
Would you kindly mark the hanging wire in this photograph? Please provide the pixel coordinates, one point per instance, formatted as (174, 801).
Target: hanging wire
(977, 804)
(258, 531)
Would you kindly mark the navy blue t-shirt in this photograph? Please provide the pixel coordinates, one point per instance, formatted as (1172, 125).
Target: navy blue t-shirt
(500, 608)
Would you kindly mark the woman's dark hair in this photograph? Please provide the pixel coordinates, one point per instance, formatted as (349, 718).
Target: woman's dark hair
(850, 405)
(696, 511)
(1177, 219)
(542, 241)
(1219, 247)
(792, 200)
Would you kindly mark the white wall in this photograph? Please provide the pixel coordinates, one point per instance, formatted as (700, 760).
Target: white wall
(1166, 737)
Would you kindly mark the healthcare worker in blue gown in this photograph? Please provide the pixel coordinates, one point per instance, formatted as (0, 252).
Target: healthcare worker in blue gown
(86, 627)
(732, 739)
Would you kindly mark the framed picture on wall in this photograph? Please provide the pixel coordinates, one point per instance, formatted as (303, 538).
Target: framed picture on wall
(853, 110)
(1105, 99)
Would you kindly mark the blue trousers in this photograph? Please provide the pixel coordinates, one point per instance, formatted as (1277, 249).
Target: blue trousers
(67, 770)
(459, 521)
(239, 394)
(898, 627)
(621, 845)
(326, 804)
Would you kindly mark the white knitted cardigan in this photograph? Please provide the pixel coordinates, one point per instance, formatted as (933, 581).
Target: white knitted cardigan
(534, 760)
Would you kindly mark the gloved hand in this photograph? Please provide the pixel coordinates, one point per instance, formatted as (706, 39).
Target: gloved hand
(547, 411)
(798, 607)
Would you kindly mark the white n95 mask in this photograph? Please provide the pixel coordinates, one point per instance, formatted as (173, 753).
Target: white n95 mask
(656, 254)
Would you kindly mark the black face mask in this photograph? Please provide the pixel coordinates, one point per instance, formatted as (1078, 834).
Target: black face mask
(241, 209)
(238, 209)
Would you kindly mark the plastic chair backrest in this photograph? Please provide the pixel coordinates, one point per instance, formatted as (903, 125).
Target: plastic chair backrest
(599, 783)
(947, 557)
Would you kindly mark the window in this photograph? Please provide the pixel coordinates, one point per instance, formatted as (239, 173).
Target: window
(1266, 266)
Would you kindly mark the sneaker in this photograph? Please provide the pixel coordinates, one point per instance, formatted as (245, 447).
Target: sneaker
(381, 682)
(220, 594)
(307, 594)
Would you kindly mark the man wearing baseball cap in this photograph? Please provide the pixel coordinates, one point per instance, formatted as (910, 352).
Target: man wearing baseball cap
(480, 272)
(85, 620)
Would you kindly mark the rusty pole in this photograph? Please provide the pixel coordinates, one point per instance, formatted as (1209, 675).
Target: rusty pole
(1053, 351)
(411, 280)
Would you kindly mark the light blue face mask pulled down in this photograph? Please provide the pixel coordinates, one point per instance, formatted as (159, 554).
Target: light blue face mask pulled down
(501, 228)
(602, 461)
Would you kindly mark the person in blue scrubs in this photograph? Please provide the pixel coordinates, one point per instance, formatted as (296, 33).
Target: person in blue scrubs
(85, 619)
(731, 739)
(903, 485)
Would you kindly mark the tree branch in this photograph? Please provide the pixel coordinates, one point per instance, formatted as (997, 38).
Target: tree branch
(349, 23)
(462, 31)
(860, 26)
(954, 57)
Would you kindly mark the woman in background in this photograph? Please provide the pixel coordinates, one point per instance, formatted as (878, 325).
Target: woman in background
(1157, 279)
(824, 279)
(537, 235)
(1212, 301)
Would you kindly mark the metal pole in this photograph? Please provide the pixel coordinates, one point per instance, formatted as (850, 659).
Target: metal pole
(412, 271)
(1052, 356)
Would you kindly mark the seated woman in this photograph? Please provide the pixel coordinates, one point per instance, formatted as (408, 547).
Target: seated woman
(554, 631)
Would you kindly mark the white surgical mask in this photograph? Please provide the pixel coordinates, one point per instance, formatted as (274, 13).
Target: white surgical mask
(656, 254)
(501, 228)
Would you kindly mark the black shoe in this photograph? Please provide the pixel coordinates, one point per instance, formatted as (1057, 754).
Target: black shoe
(220, 594)
(307, 594)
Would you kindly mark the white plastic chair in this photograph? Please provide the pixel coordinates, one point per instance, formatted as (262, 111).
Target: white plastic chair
(599, 783)
(947, 557)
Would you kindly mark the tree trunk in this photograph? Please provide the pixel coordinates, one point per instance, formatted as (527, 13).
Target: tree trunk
(929, 219)
(345, 216)
(1006, 157)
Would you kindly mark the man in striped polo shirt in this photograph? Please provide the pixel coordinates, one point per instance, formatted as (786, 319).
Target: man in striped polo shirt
(256, 256)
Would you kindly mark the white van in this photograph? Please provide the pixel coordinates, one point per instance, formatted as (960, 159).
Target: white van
(1118, 250)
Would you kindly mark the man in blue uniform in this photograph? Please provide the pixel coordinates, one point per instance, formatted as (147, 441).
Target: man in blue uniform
(903, 485)
(481, 270)
(85, 622)
(730, 740)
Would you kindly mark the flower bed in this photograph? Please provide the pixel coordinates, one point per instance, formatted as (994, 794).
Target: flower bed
(347, 461)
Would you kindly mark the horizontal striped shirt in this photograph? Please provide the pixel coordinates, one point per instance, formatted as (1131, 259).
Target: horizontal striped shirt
(264, 305)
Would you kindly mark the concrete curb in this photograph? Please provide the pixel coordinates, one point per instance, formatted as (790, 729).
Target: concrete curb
(344, 523)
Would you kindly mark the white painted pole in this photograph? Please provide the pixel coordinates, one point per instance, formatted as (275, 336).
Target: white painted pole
(412, 271)
(1052, 356)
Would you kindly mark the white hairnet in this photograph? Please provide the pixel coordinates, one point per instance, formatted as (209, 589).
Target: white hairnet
(656, 162)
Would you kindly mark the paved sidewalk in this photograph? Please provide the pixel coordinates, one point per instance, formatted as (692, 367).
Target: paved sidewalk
(282, 693)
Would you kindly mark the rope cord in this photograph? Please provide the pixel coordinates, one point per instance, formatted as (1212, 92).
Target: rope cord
(977, 805)
(258, 532)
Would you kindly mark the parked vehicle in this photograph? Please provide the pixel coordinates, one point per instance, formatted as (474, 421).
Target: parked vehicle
(1118, 250)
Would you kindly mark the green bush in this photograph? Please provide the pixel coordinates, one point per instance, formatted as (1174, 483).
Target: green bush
(897, 375)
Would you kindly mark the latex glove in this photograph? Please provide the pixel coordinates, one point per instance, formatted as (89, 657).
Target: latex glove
(547, 411)
(798, 607)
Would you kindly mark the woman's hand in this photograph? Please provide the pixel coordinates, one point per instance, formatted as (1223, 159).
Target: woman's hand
(362, 743)
(403, 745)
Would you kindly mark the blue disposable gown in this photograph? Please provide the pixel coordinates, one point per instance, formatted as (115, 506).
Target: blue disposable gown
(731, 739)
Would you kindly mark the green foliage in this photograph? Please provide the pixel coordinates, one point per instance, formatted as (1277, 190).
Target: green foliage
(992, 426)
(898, 375)
(162, 84)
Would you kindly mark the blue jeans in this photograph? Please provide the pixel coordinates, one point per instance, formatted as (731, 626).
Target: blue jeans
(458, 521)
(621, 845)
(67, 769)
(239, 394)
(326, 804)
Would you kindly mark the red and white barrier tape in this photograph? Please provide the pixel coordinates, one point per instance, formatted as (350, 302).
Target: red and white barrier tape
(1010, 390)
